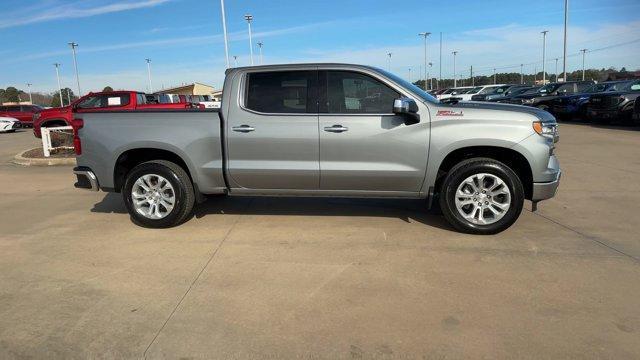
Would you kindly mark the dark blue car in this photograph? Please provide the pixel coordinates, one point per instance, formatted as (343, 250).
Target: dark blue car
(574, 106)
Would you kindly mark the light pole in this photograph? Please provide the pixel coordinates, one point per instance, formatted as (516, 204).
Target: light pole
(260, 49)
(224, 31)
(584, 51)
(425, 35)
(521, 74)
(59, 88)
(429, 77)
(235, 60)
(440, 64)
(564, 56)
(29, 88)
(69, 95)
(455, 81)
(149, 75)
(494, 76)
(473, 81)
(389, 55)
(249, 18)
(410, 75)
(75, 65)
(556, 69)
(544, 47)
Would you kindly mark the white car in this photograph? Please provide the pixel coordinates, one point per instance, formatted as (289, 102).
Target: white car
(477, 90)
(9, 124)
(453, 92)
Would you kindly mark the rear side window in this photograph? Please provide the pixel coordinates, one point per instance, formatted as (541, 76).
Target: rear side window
(356, 93)
(566, 88)
(13, 108)
(281, 92)
(104, 101)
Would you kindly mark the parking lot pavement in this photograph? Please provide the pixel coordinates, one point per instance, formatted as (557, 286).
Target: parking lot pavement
(324, 278)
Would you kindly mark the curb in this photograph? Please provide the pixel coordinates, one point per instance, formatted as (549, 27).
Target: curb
(19, 159)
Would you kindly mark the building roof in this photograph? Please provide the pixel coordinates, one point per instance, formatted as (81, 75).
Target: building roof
(177, 88)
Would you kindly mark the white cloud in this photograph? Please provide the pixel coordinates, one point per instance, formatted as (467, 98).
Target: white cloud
(71, 11)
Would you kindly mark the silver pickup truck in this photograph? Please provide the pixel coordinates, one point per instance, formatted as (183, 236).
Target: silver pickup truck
(333, 130)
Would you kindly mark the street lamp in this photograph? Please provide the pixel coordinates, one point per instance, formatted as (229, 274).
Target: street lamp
(429, 77)
(224, 31)
(29, 88)
(564, 56)
(149, 75)
(249, 18)
(59, 88)
(521, 74)
(494, 76)
(235, 60)
(260, 49)
(75, 65)
(544, 48)
(584, 51)
(389, 55)
(425, 35)
(455, 81)
(556, 69)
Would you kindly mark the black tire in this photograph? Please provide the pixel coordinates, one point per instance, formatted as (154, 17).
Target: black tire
(184, 193)
(467, 168)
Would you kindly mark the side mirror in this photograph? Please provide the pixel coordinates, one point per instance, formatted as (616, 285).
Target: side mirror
(407, 108)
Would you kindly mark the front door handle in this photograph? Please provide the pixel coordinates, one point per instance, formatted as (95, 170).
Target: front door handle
(243, 128)
(336, 129)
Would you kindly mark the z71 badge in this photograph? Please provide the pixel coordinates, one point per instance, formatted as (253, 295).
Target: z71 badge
(449, 113)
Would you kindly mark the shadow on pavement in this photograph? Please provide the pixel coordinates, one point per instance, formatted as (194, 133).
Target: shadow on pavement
(406, 210)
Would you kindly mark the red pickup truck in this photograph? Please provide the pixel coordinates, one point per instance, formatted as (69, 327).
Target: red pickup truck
(24, 113)
(99, 101)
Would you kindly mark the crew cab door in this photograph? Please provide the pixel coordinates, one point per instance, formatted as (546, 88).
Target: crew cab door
(272, 131)
(364, 146)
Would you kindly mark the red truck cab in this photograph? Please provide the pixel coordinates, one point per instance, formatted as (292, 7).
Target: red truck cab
(24, 113)
(99, 101)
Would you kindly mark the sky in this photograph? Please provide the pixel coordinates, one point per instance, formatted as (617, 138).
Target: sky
(183, 38)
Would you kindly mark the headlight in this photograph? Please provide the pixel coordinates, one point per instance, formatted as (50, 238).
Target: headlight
(527, 101)
(547, 130)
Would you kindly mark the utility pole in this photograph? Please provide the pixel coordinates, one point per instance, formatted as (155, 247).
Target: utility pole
(235, 60)
(149, 75)
(69, 95)
(455, 81)
(410, 75)
(429, 76)
(59, 88)
(425, 35)
(556, 69)
(75, 65)
(584, 51)
(494, 76)
(473, 81)
(521, 74)
(544, 47)
(389, 55)
(260, 49)
(440, 64)
(29, 89)
(224, 31)
(564, 56)
(249, 18)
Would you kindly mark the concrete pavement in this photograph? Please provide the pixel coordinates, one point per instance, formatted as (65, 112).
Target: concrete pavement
(324, 278)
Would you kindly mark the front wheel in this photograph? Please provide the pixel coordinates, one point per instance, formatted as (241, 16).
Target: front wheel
(481, 196)
(158, 194)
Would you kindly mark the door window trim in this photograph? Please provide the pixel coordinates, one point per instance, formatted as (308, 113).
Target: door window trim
(243, 92)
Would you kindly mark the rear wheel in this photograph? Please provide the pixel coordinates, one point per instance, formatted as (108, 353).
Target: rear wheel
(158, 194)
(481, 196)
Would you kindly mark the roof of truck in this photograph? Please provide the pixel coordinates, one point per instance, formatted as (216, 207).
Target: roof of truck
(300, 65)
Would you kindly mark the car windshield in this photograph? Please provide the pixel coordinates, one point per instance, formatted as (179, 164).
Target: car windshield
(549, 88)
(629, 86)
(409, 86)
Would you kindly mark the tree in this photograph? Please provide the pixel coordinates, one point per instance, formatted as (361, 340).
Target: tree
(67, 97)
(107, 89)
(11, 94)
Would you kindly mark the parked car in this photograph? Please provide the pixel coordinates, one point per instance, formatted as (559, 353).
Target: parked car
(545, 94)
(491, 90)
(24, 113)
(512, 93)
(617, 105)
(453, 92)
(575, 105)
(9, 124)
(206, 100)
(636, 112)
(359, 131)
(99, 101)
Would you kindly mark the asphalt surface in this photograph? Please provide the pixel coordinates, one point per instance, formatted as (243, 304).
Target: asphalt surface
(324, 278)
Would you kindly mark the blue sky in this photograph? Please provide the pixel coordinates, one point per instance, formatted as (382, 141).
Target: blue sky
(184, 37)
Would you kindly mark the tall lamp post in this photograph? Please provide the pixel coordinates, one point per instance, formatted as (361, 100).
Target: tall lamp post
(389, 65)
(410, 75)
(224, 31)
(584, 51)
(455, 80)
(149, 74)
(521, 74)
(429, 77)
(556, 69)
(249, 18)
(75, 65)
(544, 49)
(494, 76)
(59, 88)
(564, 51)
(235, 60)
(260, 49)
(425, 35)
(29, 88)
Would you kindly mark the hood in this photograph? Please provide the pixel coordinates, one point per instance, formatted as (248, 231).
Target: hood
(55, 110)
(482, 105)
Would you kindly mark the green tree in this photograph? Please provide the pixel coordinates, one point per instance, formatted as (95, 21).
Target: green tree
(67, 97)
(11, 94)
(107, 89)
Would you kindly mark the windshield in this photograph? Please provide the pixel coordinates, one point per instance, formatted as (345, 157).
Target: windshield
(409, 86)
(549, 88)
(629, 86)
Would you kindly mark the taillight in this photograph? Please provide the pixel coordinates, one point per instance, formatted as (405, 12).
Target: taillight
(77, 124)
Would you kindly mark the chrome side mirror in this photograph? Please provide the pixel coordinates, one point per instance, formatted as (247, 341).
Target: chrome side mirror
(407, 108)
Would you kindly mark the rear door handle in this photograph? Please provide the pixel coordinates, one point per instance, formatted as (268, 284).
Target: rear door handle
(336, 129)
(243, 128)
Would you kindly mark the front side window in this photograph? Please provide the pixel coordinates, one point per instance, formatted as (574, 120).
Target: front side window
(565, 89)
(356, 93)
(280, 92)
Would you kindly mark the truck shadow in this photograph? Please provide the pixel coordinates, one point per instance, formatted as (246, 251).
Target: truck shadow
(406, 210)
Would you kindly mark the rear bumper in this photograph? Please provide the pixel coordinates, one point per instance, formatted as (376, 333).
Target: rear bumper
(86, 179)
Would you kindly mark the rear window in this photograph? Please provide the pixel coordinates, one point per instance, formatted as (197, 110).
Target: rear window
(279, 91)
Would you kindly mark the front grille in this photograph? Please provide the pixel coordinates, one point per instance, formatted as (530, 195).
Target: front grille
(604, 102)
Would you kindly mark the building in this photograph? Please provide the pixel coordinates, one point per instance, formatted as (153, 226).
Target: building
(191, 89)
